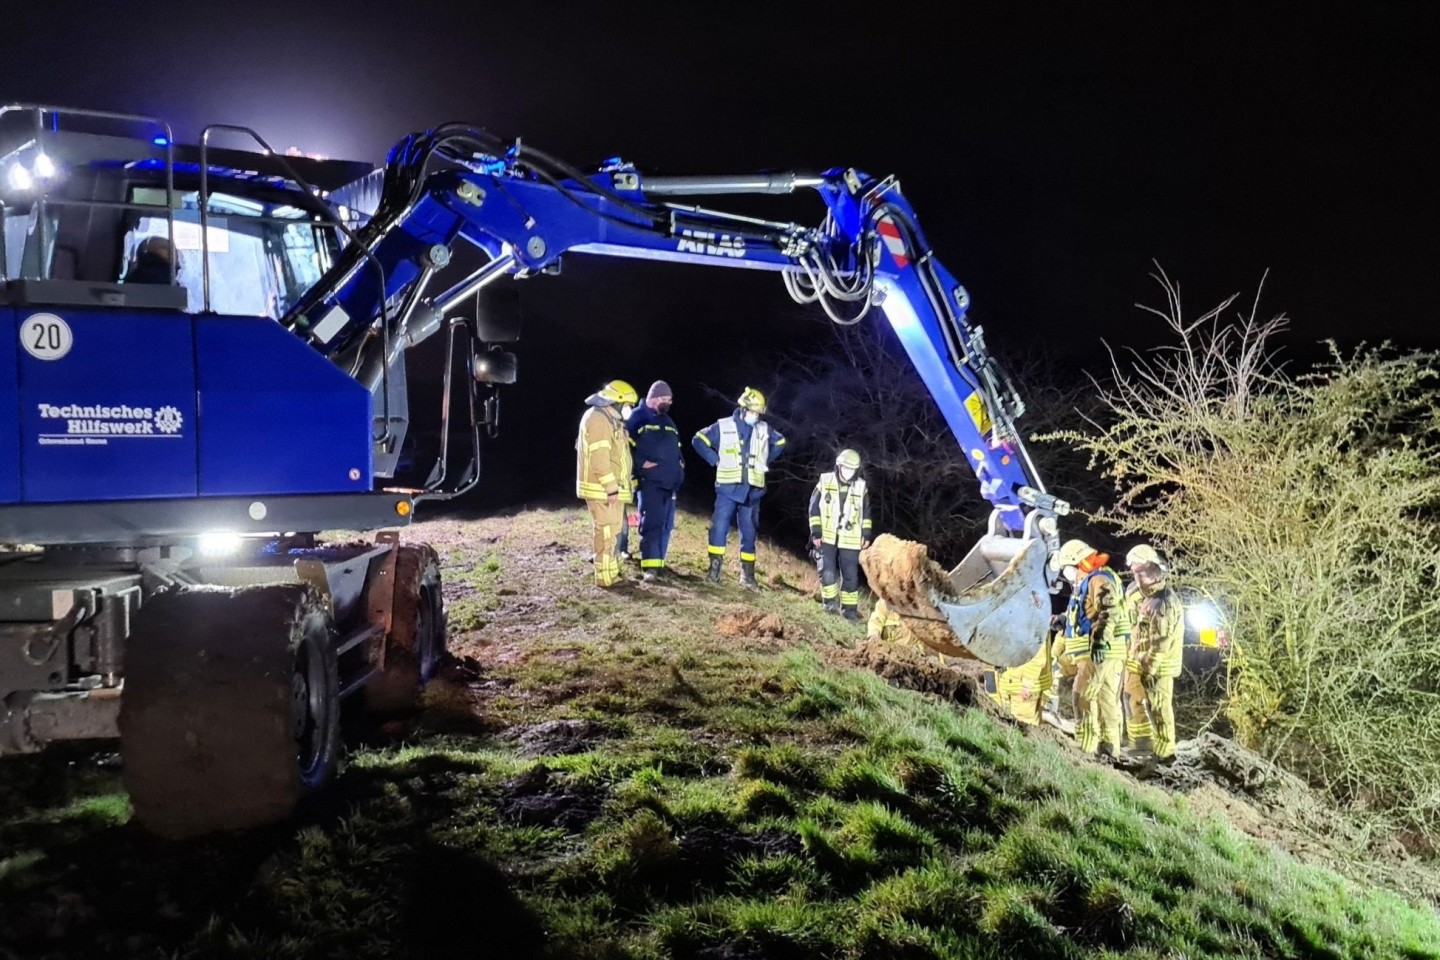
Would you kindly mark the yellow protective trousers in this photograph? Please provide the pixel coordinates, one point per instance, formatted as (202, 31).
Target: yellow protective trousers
(1151, 703)
(606, 518)
(1097, 703)
(1023, 691)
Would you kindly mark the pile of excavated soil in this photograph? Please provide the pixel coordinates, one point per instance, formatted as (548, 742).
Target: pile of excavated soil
(909, 667)
(538, 799)
(1261, 798)
(902, 574)
(749, 623)
(556, 737)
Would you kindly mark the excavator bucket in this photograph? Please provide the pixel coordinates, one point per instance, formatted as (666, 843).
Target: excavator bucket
(993, 607)
(999, 609)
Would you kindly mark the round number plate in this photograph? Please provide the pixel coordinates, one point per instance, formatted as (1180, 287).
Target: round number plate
(46, 336)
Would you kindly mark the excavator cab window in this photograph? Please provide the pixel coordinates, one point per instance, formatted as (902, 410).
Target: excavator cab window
(76, 210)
(262, 255)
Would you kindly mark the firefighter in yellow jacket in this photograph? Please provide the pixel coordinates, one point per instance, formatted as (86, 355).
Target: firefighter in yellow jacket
(1096, 638)
(1024, 691)
(886, 625)
(1157, 644)
(840, 527)
(603, 470)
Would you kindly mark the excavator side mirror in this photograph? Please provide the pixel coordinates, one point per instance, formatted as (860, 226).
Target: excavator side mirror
(494, 366)
(497, 314)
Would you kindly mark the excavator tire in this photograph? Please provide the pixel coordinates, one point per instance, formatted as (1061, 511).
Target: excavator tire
(231, 710)
(415, 646)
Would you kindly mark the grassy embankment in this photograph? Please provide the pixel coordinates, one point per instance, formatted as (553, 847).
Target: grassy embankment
(612, 776)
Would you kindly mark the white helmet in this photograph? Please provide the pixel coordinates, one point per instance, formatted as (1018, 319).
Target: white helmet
(1143, 554)
(1070, 554)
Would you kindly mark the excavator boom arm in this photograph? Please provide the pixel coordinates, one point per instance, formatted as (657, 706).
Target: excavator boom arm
(525, 210)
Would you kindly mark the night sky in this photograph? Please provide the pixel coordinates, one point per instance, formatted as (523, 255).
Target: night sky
(1051, 151)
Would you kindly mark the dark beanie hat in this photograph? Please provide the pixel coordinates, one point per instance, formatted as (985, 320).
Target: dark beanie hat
(659, 389)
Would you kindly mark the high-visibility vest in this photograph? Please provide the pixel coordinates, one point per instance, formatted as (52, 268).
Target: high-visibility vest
(730, 468)
(602, 458)
(841, 524)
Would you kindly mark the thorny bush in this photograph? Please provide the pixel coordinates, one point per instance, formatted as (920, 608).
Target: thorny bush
(1308, 508)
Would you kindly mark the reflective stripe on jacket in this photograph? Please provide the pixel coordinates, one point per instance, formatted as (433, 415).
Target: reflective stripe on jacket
(602, 457)
(741, 460)
(653, 437)
(840, 512)
(707, 443)
(1159, 630)
(1097, 615)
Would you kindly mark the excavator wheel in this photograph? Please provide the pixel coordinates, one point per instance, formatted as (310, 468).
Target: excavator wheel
(415, 646)
(231, 710)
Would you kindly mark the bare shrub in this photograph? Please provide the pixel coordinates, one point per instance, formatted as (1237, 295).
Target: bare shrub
(858, 389)
(1308, 507)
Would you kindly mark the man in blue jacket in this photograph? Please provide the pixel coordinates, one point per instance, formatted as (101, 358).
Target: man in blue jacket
(659, 471)
(741, 448)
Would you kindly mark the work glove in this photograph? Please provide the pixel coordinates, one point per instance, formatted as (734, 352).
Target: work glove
(1057, 622)
(1098, 650)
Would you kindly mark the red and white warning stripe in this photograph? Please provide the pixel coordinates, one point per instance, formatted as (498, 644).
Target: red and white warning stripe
(890, 233)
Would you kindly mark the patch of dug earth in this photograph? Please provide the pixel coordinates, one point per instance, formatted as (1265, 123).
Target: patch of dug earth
(464, 670)
(708, 853)
(537, 799)
(750, 623)
(556, 737)
(909, 668)
(1210, 761)
(1269, 803)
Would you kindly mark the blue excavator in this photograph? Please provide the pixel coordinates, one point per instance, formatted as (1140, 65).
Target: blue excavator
(165, 311)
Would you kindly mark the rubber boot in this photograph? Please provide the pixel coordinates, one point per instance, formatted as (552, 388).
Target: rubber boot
(716, 562)
(747, 575)
(851, 614)
(832, 606)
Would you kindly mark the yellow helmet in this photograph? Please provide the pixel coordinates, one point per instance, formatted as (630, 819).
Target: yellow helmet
(618, 391)
(848, 458)
(1143, 554)
(1070, 554)
(752, 400)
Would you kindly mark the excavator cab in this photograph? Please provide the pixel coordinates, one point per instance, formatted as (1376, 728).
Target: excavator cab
(171, 453)
(77, 206)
